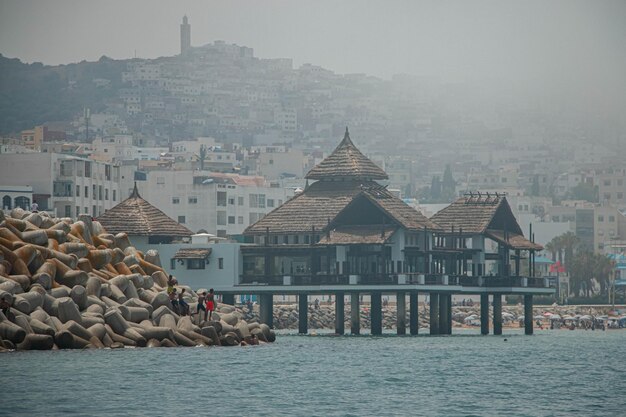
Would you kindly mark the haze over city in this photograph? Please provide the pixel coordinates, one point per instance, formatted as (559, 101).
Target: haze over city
(223, 175)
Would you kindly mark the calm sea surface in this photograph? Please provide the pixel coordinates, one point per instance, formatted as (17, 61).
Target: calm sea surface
(558, 373)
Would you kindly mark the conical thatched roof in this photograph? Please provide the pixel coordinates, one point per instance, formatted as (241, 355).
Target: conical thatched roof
(348, 162)
(135, 216)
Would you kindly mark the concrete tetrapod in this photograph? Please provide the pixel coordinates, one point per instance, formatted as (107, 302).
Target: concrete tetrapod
(78, 286)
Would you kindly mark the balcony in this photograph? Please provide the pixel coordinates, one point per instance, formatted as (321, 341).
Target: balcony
(413, 279)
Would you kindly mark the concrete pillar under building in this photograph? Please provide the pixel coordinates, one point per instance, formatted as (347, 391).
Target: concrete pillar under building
(401, 312)
(303, 313)
(434, 313)
(413, 307)
(355, 315)
(376, 313)
(528, 314)
(449, 315)
(497, 314)
(444, 313)
(228, 299)
(339, 313)
(484, 314)
(267, 309)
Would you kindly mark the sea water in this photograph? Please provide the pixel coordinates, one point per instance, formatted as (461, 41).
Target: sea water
(553, 373)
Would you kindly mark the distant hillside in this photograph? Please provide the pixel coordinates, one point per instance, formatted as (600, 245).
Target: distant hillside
(32, 94)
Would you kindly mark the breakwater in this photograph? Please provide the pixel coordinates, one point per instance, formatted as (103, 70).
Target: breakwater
(72, 285)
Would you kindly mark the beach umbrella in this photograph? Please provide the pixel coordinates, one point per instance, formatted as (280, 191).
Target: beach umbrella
(547, 314)
(538, 317)
(521, 318)
(555, 317)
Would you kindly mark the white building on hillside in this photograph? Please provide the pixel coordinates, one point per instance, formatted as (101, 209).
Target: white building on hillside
(221, 204)
(67, 185)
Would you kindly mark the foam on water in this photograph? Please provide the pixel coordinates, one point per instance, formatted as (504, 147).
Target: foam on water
(558, 373)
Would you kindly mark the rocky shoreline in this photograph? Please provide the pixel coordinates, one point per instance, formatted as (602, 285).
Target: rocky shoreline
(286, 316)
(72, 285)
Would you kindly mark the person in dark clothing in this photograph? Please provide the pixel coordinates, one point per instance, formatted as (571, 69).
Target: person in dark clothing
(183, 307)
(201, 305)
(174, 301)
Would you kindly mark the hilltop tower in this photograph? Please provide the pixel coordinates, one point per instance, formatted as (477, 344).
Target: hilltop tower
(185, 36)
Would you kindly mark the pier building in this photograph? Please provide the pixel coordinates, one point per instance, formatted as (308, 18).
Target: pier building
(346, 234)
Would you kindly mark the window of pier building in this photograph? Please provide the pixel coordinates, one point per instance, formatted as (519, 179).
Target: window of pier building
(196, 264)
(175, 200)
(221, 218)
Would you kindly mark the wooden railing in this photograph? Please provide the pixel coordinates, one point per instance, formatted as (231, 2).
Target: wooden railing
(393, 279)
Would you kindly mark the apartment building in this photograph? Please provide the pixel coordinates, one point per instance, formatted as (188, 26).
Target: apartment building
(67, 185)
(218, 203)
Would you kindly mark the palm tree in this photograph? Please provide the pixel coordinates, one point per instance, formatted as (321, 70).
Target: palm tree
(569, 241)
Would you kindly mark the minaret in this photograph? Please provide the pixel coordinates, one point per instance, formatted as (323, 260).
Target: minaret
(185, 36)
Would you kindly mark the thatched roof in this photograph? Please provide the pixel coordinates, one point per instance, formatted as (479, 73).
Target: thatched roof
(135, 216)
(475, 213)
(346, 162)
(353, 235)
(193, 253)
(513, 241)
(321, 204)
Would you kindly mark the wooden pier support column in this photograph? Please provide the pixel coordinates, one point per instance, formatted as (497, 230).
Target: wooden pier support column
(339, 313)
(445, 313)
(497, 314)
(413, 307)
(228, 299)
(528, 314)
(303, 313)
(434, 313)
(401, 312)
(355, 314)
(484, 314)
(376, 313)
(267, 309)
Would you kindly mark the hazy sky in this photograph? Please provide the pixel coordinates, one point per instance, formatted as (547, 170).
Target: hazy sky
(566, 41)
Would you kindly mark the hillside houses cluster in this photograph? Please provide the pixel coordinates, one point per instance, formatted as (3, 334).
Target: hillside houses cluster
(217, 119)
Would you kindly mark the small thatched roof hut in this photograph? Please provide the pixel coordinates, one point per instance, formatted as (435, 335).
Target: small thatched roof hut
(137, 217)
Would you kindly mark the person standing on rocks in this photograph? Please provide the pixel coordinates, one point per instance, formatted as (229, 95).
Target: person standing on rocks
(174, 301)
(201, 305)
(210, 302)
(171, 281)
(183, 307)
